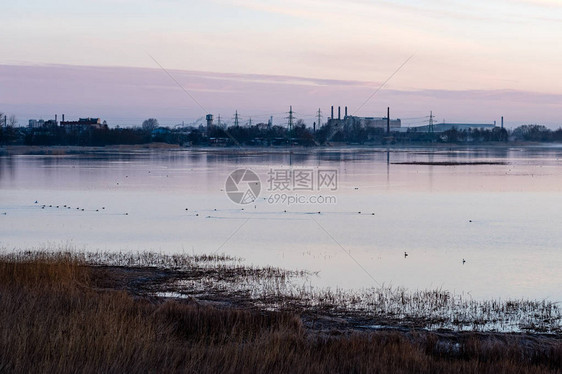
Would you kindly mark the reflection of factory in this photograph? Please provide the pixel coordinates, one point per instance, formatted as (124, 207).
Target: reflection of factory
(366, 122)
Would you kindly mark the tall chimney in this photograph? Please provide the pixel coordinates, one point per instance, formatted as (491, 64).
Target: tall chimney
(332, 112)
(345, 112)
(502, 122)
(56, 123)
(388, 120)
(62, 118)
(339, 112)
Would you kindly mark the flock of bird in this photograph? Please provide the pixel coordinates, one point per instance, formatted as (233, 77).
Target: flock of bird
(186, 209)
(45, 206)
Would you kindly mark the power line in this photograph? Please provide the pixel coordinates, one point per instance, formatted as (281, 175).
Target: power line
(384, 83)
(178, 83)
(193, 98)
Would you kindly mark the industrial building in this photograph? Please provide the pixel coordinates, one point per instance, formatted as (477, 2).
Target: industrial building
(83, 124)
(366, 122)
(40, 123)
(442, 127)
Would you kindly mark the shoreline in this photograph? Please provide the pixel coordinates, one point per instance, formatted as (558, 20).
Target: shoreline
(59, 150)
(58, 305)
(158, 284)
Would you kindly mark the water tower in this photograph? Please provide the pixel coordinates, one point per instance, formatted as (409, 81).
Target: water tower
(209, 118)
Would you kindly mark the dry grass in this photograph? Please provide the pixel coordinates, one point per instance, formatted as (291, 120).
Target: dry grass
(60, 315)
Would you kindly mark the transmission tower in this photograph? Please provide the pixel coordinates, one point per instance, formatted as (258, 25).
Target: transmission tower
(291, 118)
(319, 119)
(236, 119)
(430, 128)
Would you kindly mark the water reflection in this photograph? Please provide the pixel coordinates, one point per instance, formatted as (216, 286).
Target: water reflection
(503, 219)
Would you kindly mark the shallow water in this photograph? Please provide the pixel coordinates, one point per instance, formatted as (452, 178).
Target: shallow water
(503, 219)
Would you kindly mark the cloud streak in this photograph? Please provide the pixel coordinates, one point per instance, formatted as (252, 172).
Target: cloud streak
(126, 96)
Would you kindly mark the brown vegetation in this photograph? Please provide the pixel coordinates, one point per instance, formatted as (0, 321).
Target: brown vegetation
(59, 314)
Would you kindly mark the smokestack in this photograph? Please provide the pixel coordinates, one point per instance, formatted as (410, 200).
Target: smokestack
(502, 122)
(345, 112)
(55, 119)
(339, 112)
(332, 117)
(62, 118)
(388, 120)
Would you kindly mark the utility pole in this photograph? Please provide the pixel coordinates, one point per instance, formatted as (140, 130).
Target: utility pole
(236, 119)
(319, 119)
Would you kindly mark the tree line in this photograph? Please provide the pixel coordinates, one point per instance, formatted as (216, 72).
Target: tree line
(257, 135)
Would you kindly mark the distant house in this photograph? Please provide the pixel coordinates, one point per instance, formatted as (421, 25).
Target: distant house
(160, 131)
(263, 126)
(217, 142)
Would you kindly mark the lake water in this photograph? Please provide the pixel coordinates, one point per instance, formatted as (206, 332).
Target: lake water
(503, 218)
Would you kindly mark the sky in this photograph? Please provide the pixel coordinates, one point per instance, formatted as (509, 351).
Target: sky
(125, 60)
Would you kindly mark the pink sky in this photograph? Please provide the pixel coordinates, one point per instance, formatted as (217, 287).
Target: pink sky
(473, 60)
(126, 96)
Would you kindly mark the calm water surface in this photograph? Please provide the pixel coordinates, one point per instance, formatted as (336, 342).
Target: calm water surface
(504, 219)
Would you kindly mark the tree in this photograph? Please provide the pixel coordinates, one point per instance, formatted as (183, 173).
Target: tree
(150, 124)
(534, 133)
(12, 121)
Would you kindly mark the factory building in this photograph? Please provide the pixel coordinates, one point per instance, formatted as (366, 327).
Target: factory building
(367, 122)
(442, 127)
(83, 124)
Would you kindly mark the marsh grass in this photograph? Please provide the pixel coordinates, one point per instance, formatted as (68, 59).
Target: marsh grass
(59, 313)
(278, 289)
